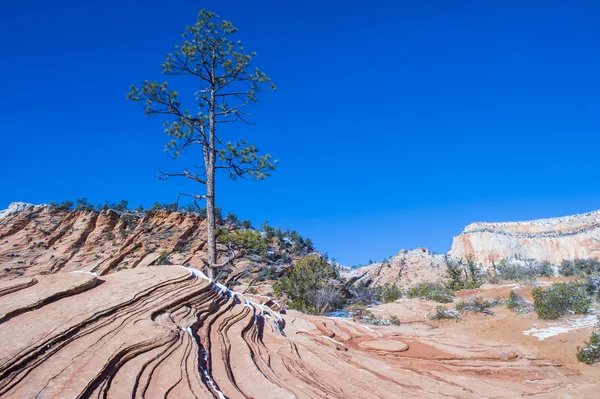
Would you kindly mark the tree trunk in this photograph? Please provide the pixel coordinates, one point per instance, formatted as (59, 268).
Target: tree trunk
(211, 222)
(210, 190)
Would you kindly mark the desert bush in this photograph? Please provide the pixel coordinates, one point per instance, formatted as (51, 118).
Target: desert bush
(431, 291)
(246, 224)
(83, 205)
(310, 286)
(163, 259)
(171, 206)
(579, 267)
(366, 316)
(156, 207)
(589, 353)
(390, 293)
(394, 320)
(268, 231)
(478, 304)
(63, 206)
(560, 299)
(475, 279)
(308, 243)
(463, 276)
(267, 273)
(443, 313)
(223, 273)
(592, 287)
(456, 275)
(243, 242)
(515, 269)
(363, 295)
(517, 304)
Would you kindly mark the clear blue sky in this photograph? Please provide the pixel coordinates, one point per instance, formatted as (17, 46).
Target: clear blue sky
(396, 123)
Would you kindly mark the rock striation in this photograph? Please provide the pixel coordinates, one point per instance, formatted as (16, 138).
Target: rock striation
(168, 332)
(552, 240)
(38, 239)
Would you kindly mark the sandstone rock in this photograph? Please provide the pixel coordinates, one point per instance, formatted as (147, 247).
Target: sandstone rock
(551, 240)
(40, 240)
(405, 269)
(169, 332)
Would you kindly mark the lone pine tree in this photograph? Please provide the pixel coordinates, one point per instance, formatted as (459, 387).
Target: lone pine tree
(226, 84)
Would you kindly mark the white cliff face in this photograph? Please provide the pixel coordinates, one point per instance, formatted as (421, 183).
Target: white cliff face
(553, 239)
(14, 208)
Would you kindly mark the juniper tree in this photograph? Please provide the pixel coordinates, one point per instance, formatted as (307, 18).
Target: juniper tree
(226, 84)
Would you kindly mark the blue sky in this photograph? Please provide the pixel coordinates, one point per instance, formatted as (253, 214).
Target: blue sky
(395, 123)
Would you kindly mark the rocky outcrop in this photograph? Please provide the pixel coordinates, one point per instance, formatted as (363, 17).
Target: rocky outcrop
(167, 331)
(406, 268)
(41, 240)
(552, 240)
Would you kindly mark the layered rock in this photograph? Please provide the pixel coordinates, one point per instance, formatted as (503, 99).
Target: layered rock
(406, 268)
(553, 239)
(40, 239)
(167, 331)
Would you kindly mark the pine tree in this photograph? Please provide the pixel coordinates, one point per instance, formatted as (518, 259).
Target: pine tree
(226, 84)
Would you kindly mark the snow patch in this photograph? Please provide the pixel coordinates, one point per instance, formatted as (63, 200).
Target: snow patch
(196, 273)
(565, 327)
(85, 272)
(332, 340)
(207, 376)
(13, 208)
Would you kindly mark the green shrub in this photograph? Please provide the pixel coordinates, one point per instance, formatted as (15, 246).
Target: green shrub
(394, 320)
(243, 242)
(366, 316)
(63, 206)
(462, 276)
(364, 295)
(456, 275)
(516, 269)
(590, 352)
(517, 304)
(592, 286)
(267, 273)
(443, 313)
(310, 286)
(431, 291)
(163, 259)
(390, 293)
(83, 205)
(478, 304)
(559, 300)
(475, 279)
(579, 267)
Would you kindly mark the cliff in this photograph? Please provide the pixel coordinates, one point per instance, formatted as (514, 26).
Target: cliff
(553, 239)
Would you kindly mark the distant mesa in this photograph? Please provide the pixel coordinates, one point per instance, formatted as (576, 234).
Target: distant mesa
(552, 239)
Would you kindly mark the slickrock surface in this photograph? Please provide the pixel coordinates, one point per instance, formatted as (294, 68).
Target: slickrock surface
(554, 239)
(166, 331)
(404, 269)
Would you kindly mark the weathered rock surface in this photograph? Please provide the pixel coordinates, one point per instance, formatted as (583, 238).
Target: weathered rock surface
(553, 239)
(166, 331)
(404, 269)
(41, 240)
